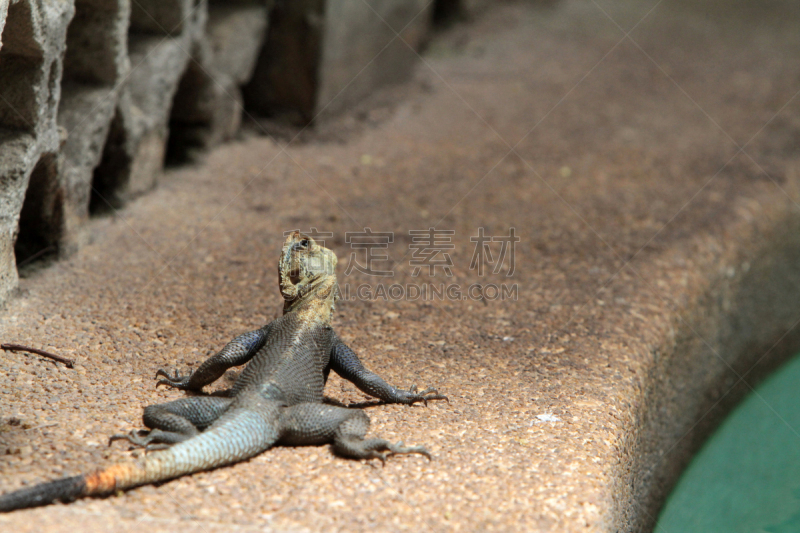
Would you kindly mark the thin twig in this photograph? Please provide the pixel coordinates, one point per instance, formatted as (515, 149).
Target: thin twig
(19, 348)
(35, 256)
(42, 426)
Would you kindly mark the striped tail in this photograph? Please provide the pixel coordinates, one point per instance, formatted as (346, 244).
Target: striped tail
(236, 438)
(100, 483)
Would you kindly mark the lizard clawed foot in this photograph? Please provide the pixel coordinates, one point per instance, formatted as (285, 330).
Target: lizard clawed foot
(397, 449)
(140, 438)
(401, 449)
(137, 437)
(414, 396)
(176, 381)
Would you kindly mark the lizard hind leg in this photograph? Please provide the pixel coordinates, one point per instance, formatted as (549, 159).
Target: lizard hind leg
(175, 421)
(313, 423)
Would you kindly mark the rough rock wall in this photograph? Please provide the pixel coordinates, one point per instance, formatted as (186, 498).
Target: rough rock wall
(323, 56)
(31, 65)
(96, 94)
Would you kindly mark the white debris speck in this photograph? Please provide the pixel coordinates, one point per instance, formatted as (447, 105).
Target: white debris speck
(508, 339)
(547, 418)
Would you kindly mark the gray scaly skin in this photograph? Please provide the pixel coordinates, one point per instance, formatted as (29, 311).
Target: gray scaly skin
(277, 399)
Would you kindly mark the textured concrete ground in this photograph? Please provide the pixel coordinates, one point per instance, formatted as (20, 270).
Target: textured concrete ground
(652, 180)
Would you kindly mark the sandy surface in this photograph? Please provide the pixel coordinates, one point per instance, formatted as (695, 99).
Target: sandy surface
(607, 154)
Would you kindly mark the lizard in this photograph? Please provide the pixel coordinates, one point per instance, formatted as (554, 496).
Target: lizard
(276, 400)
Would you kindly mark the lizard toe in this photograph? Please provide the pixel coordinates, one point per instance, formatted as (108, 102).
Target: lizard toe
(156, 447)
(138, 438)
(432, 394)
(377, 455)
(401, 449)
(176, 380)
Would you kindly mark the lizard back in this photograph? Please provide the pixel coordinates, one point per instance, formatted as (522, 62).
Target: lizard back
(290, 368)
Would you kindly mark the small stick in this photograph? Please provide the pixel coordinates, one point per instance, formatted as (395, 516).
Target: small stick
(42, 426)
(35, 256)
(19, 348)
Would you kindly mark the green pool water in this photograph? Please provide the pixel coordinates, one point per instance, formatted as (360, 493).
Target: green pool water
(746, 478)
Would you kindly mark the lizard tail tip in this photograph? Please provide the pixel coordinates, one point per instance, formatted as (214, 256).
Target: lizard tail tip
(65, 489)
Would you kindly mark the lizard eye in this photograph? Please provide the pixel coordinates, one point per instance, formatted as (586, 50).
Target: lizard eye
(304, 243)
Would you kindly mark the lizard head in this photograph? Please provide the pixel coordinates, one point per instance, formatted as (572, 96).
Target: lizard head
(304, 268)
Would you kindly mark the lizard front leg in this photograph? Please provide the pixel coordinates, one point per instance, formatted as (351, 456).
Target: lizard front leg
(346, 363)
(237, 352)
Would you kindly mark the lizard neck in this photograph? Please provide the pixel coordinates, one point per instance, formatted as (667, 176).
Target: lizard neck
(316, 300)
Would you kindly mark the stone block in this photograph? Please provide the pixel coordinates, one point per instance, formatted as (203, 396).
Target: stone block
(17, 156)
(159, 64)
(208, 105)
(323, 56)
(31, 56)
(160, 39)
(95, 68)
(235, 34)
